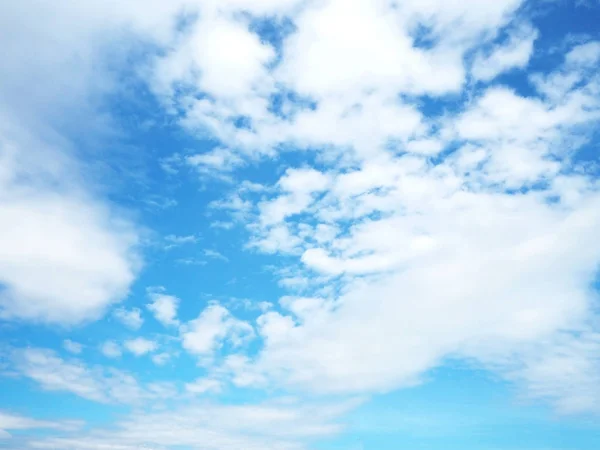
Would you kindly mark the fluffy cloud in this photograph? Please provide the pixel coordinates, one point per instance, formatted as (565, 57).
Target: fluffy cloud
(140, 346)
(478, 254)
(111, 349)
(417, 231)
(66, 253)
(10, 422)
(163, 306)
(512, 54)
(214, 327)
(217, 162)
(64, 256)
(203, 386)
(130, 318)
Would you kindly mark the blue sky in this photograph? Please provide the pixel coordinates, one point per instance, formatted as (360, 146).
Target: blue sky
(298, 224)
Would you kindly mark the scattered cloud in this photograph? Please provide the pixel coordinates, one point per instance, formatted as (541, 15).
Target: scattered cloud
(515, 53)
(173, 240)
(80, 257)
(140, 346)
(216, 163)
(163, 306)
(72, 346)
(280, 424)
(160, 359)
(191, 262)
(204, 386)
(111, 349)
(418, 205)
(214, 327)
(130, 318)
(213, 254)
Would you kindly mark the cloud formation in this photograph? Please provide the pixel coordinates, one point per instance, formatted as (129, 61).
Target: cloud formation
(423, 184)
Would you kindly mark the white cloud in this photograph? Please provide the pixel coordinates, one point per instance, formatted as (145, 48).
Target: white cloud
(216, 47)
(214, 327)
(80, 254)
(64, 256)
(163, 306)
(191, 262)
(100, 384)
(111, 349)
(130, 318)
(140, 346)
(427, 256)
(481, 254)
(282, 424)
(160, 359)
(563, 370)
(72, 346)
(10, 422)
(215, 255)
(204, 386)
(174, 240)
(512, 54)
(584, 55)
(215, 162)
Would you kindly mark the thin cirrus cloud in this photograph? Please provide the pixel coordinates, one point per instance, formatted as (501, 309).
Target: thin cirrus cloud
(415, 205)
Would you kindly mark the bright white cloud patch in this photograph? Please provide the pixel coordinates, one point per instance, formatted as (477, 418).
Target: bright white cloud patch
(163, 306)
(214, 327)
(66, 253)
(478, 253)
(160, 359)
(111, 349)
(130, 318)
(512, 54)
(64, 257)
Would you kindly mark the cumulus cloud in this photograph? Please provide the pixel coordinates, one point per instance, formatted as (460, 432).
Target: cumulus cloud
(160, 359)
(163, 306)
(64, 256)
(512, 54)
(416, 231)
(214, 327)
(483, 245)
(66, 253)
(130, 318)
(173, 240)
(140, 346)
